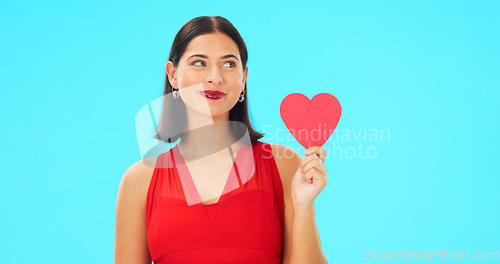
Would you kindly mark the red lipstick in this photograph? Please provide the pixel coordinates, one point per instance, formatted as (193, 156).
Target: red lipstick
(210, 94)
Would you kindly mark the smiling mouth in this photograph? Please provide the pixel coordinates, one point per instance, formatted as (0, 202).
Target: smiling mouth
(212, 94)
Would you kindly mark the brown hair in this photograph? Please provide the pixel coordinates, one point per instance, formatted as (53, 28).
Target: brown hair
(173, 117)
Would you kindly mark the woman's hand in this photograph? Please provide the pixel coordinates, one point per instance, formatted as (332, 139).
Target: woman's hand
(310, 178)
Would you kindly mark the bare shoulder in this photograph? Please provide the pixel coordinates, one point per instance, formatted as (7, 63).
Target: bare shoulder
(287, 160)
(130, 220)
(138, 176)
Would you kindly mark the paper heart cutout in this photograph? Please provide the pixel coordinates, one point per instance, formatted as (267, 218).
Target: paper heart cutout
(313, 121)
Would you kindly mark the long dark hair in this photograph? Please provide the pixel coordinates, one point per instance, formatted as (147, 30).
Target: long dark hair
(173, 114)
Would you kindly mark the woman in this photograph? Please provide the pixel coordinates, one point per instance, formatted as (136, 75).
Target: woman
(175, 211)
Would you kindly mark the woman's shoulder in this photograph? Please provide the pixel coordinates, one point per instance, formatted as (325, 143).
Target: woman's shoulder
(285, 154)
(281, 152)
(138, 168)
(276, 148)
(136, 179)
(287, 160)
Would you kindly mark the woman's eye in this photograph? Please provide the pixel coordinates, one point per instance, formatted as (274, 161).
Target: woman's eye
(194, 63)
(231, 63)
(202, 63)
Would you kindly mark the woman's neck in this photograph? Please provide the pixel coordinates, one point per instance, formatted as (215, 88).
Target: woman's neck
(205, 135)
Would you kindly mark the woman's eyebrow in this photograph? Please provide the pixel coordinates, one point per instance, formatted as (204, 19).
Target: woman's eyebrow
(206, 57)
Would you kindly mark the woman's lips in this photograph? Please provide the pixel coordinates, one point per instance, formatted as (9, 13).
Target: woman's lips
(212, 94)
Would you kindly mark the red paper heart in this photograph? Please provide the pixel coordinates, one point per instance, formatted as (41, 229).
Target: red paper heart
(313, 121)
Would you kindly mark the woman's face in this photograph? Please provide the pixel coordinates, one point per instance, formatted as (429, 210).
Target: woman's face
(210, 62)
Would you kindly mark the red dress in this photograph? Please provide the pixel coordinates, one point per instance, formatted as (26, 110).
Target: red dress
(246, 225)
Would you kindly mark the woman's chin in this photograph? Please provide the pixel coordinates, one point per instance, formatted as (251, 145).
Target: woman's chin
(212, 113)
(217, 115)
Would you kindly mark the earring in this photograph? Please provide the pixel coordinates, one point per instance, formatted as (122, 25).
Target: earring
(242, 97)
(175, 93)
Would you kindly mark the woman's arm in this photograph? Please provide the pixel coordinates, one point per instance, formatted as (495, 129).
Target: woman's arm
(301, 238)
(130, 220)
(306, 243)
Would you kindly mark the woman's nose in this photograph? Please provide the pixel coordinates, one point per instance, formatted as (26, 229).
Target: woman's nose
(214, 76)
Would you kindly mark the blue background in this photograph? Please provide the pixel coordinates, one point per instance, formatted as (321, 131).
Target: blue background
(74, 74)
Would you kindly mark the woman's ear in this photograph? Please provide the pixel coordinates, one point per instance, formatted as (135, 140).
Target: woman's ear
(171, 73)
(245, 74)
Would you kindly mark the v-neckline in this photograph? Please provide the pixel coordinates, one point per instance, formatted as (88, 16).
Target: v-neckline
(188, 182)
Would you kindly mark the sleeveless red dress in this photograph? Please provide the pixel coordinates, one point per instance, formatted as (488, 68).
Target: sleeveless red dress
(246, 225)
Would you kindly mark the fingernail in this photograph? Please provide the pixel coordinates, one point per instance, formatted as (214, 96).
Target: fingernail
(307, 152)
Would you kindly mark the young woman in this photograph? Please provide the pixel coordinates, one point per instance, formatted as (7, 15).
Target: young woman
(183, 207)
